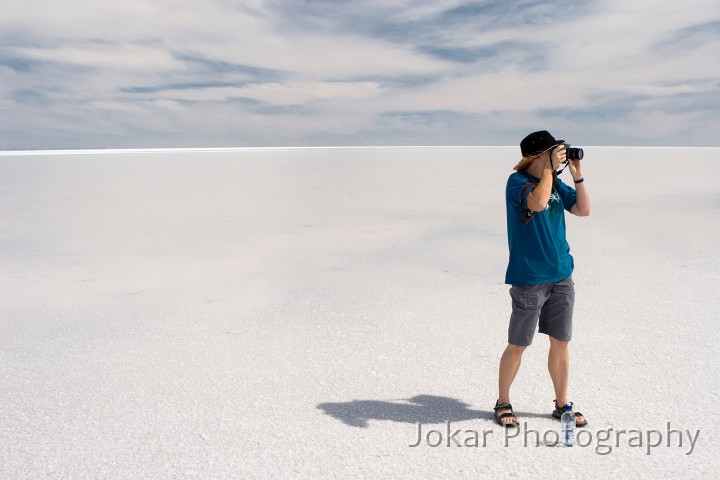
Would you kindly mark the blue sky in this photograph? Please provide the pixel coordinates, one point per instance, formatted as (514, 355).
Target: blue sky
(221, 73)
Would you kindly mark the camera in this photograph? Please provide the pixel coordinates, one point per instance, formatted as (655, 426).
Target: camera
(572, 153)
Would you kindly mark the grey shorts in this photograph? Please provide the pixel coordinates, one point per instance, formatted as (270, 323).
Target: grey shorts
(550, 303)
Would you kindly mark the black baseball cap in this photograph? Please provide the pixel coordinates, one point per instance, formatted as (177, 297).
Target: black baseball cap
(538, 142)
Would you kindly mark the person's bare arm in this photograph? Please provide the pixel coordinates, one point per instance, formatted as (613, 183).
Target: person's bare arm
(582, 202)
(540, 196)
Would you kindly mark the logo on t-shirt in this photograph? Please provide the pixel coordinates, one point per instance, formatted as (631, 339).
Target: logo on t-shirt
(554, 199)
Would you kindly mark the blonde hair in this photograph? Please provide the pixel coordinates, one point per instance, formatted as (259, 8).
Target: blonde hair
(526, 161)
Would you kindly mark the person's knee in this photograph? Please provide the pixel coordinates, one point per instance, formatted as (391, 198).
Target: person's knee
(559, 344)
(516, 349)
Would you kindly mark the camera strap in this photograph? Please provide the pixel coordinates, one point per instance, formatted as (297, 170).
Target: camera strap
(526, 214)
(558, 172)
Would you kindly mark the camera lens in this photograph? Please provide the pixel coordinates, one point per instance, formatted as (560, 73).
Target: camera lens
(574, 153)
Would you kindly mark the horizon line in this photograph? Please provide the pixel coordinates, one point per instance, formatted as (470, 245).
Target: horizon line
(92, 151)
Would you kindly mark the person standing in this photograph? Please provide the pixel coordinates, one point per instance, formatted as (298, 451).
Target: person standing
(540, 265)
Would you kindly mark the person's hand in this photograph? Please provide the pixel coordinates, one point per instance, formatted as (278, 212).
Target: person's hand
(575, 167)
(558, 156)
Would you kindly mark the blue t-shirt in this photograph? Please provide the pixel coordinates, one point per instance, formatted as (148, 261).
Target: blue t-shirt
(539, 252)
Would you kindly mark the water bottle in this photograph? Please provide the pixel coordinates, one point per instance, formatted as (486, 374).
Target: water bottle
(567, 426)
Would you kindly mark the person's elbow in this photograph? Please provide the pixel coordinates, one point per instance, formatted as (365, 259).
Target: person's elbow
(535, 205)
(581, 212)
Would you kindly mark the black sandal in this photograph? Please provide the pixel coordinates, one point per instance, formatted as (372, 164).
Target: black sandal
(500, 416)
(557, 413)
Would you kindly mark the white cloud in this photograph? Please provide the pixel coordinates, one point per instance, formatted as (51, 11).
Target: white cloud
(293, 93)
(102, 56)
(289, 93)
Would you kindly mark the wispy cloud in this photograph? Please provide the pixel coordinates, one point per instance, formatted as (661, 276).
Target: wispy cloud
(278, 72)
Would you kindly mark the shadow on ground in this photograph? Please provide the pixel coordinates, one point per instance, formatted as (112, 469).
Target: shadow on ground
(423, 409)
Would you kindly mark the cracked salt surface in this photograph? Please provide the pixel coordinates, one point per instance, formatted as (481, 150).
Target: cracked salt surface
(301, 314)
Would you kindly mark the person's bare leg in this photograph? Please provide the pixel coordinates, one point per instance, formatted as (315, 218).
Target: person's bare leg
(559, 368)
(509, 366)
